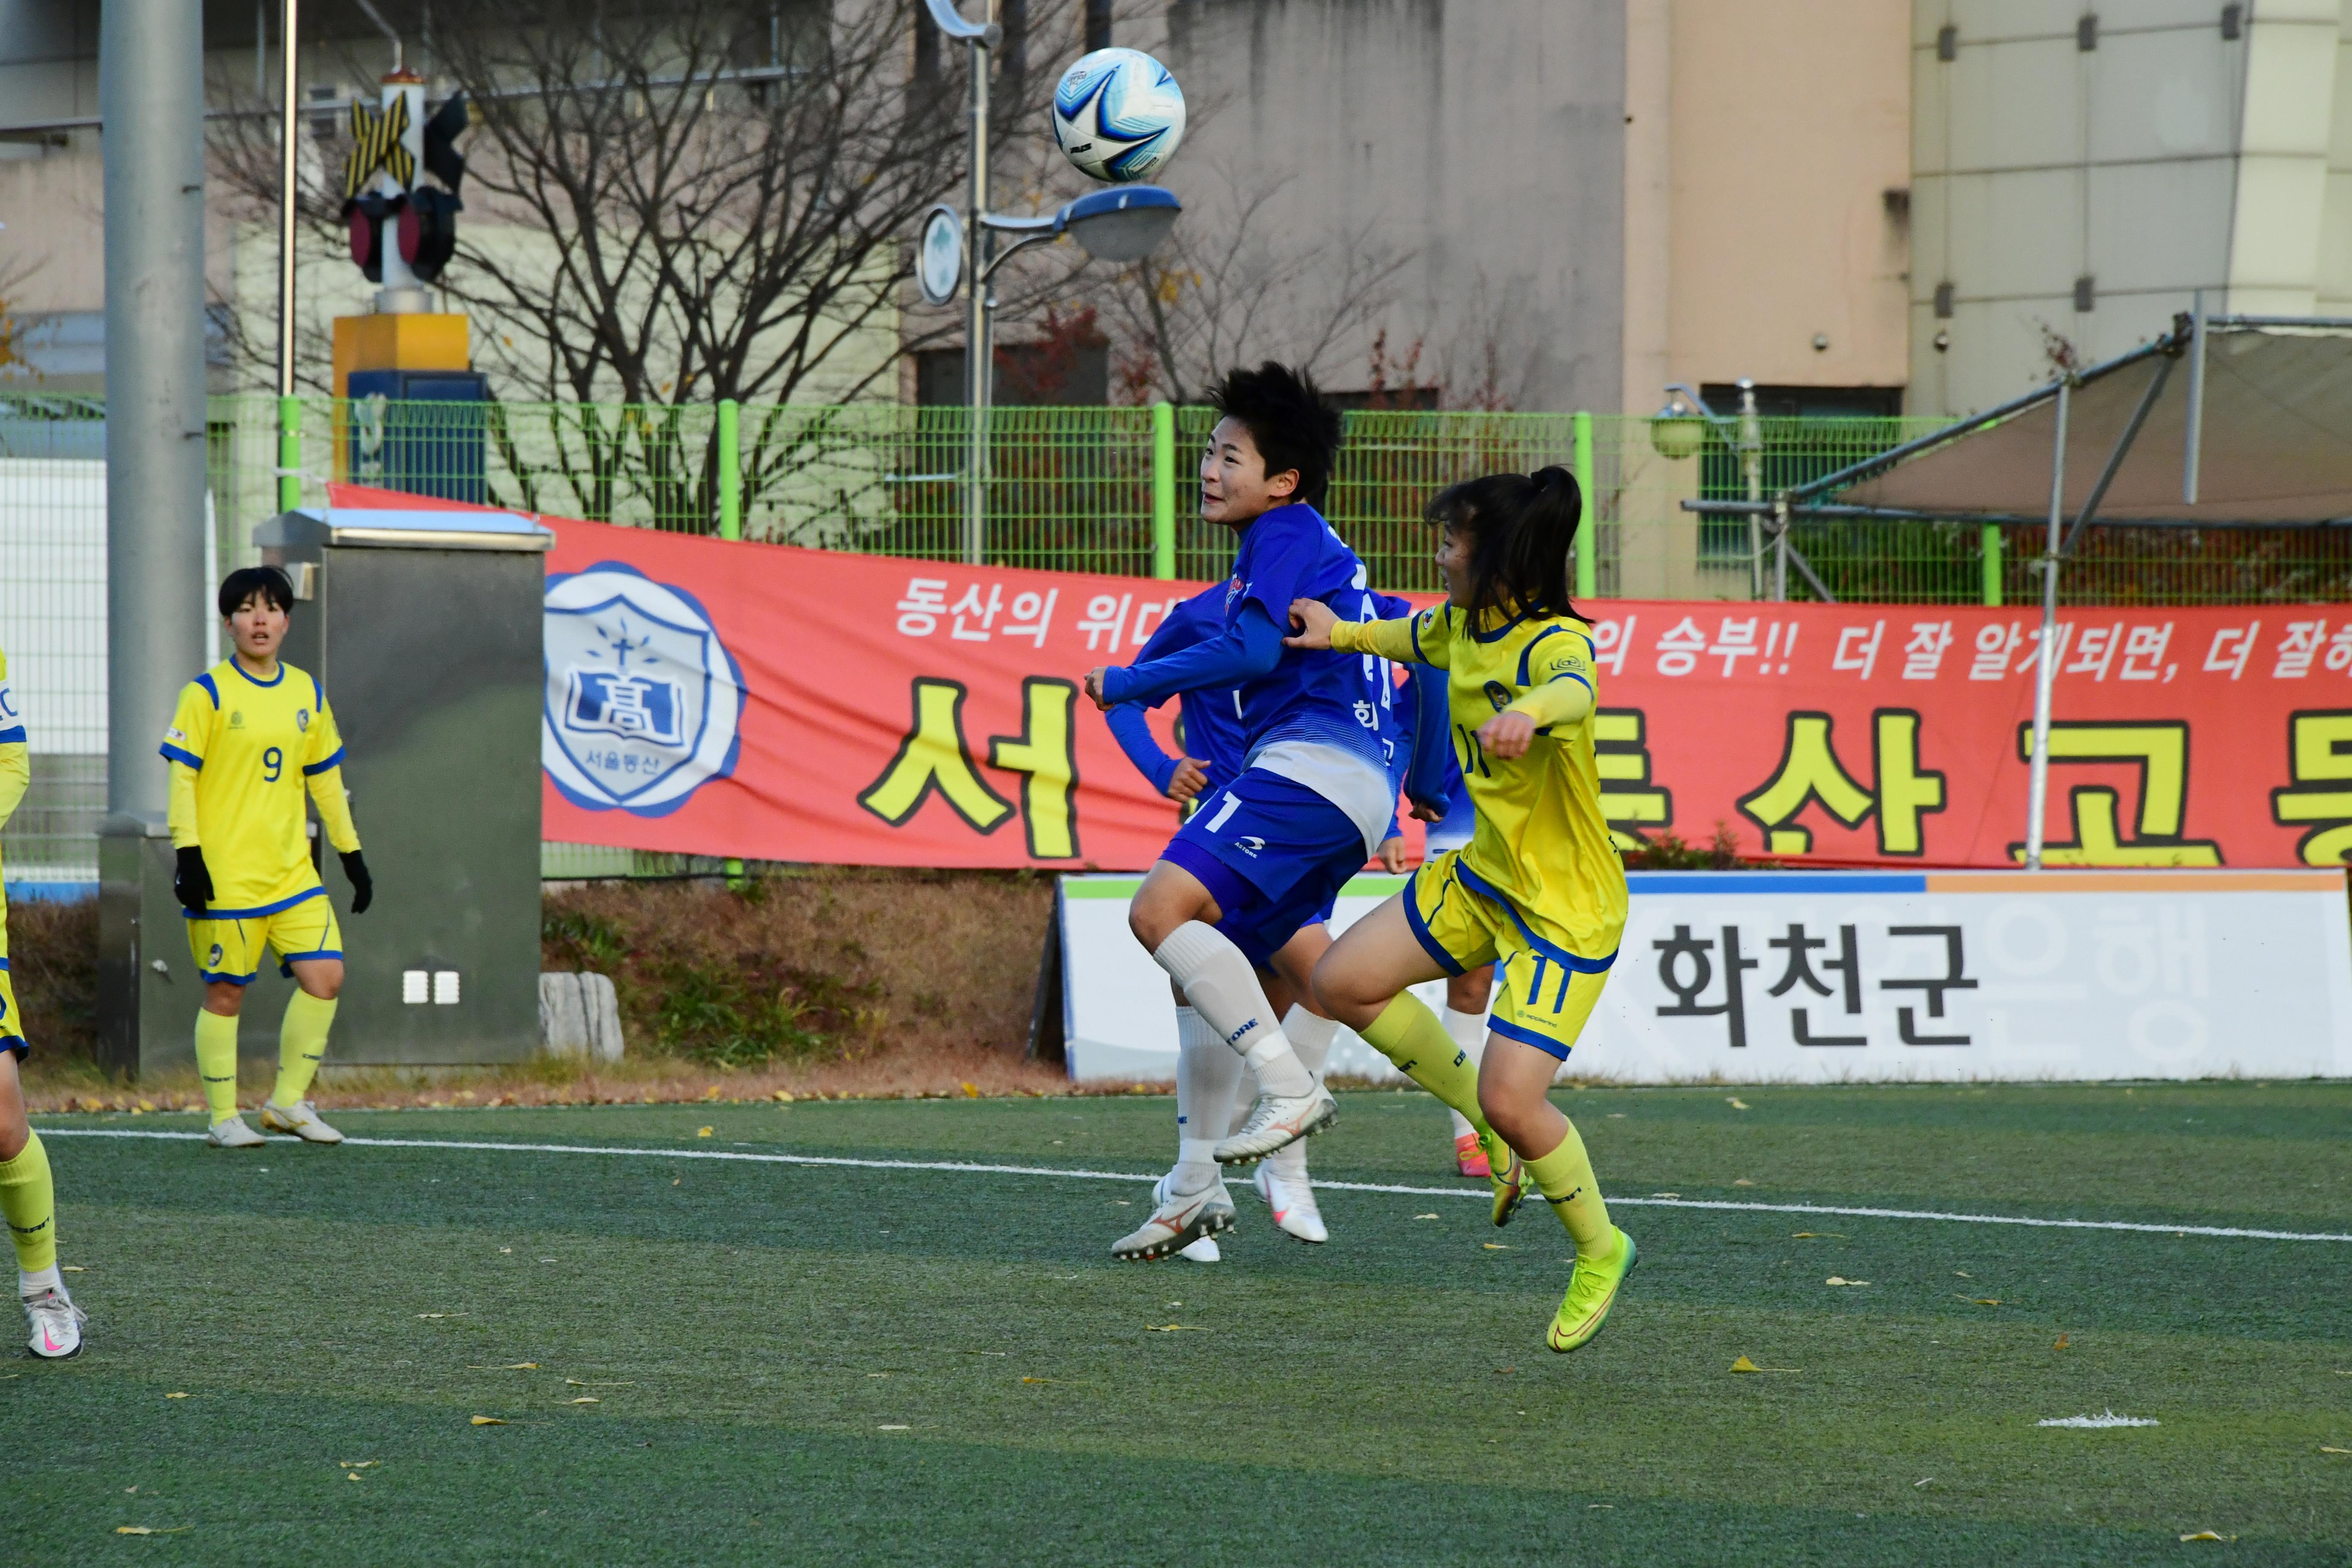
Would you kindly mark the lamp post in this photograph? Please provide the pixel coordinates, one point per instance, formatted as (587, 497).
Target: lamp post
(1126, 223)
(1677, 431)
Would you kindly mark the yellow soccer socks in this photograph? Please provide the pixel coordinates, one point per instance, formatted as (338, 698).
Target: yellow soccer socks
(1410, 1035)
(29, 1200)
(301, 1042)
(217, 1063)
(1565, 1178)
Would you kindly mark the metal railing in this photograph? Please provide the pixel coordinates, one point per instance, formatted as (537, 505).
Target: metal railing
(1110, 490)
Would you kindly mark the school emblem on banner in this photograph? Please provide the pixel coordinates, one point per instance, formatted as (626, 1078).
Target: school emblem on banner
(644, 703)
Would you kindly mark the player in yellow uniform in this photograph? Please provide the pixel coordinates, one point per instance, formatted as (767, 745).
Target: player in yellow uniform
(250, 735)
(27, 1195)
(1539, 891)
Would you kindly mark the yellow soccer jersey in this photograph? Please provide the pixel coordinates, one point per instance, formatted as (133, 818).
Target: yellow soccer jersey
(241, 750)
(1541, 843)
(15, 774)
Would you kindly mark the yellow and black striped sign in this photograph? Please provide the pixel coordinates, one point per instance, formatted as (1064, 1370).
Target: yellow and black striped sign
(376, 143)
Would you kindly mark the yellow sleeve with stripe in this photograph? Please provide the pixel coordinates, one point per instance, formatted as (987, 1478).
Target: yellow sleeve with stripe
(15, 758)
(1423, 638)
(1560, 689)
(323, 771)
(185, 744)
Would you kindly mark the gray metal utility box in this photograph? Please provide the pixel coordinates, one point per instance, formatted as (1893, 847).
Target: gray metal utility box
(424, 627)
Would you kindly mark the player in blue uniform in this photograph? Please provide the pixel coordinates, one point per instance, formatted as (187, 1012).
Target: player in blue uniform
(1209, 1076)
(1263, 854)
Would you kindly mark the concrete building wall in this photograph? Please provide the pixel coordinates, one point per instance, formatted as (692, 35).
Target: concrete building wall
(1481, 140)
(2144, 159)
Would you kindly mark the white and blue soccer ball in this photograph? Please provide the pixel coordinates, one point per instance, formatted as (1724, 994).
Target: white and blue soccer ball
(1118, 115)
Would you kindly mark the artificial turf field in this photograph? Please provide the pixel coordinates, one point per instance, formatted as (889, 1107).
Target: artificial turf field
(805, 1363)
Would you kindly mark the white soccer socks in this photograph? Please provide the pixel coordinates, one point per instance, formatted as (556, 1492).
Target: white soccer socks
(1207, 1075)
(1310, 1040)
(1468, 1030)
(1220, 984)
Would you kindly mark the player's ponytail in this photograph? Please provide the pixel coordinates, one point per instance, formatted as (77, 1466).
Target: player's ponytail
(1520, 528)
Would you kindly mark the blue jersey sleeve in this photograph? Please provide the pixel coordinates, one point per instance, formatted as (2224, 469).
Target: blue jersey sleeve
(1249, 647)
(1426, 781)
(1135, 738)
(1279, 558)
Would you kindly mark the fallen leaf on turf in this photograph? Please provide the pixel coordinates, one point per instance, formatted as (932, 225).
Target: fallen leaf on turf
(359, 1463)
(150, 1530)
(1962, 1273)
(702, 1132)
(1665, 1195)
(2326, 1449)
(175, 1397)
(71, 1268)
(2208, 1535)
(784, 1096)
(676, 1181)
(1495, 1246)
(587, 1399)
(1740, 1182)
(509, 1366)
(430, 1316)
(971, 1091)
(1980, 1300)
(487, 1421)
(1036, 1380)
(506, 1249)
(894, 1428)
(1817, 1236)
(351, 1475)
(1834, 1279)
(1744, 1364)
(1176, 1328)
(1736, 1103)
(1922, 1481)
(577, 1384)
(1424, 1216)
(2061, 1344)
(2099, 1422)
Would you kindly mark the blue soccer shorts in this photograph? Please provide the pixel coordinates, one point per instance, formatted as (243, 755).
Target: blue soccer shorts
(1274, 854)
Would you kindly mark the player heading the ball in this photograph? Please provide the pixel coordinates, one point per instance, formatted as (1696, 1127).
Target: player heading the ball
(250, 735)
(1539, 891)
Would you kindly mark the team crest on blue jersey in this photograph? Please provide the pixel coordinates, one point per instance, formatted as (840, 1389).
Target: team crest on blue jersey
(644, 702)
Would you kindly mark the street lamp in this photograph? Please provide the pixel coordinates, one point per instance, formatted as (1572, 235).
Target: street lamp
(1124, 224)
(1679, 430)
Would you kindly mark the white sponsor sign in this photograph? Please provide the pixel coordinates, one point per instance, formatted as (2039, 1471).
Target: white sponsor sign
(1872, 977)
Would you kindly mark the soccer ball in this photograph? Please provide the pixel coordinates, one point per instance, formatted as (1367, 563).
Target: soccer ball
(1118, 115)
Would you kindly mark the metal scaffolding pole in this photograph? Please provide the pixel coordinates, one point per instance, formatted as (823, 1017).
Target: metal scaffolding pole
(151, 91)
(2045, 663)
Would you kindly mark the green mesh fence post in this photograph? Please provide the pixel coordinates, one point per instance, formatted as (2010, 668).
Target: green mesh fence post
(1163, 490)
(1991, 554)
(1588, 533)
(290, 453)
(730, 474)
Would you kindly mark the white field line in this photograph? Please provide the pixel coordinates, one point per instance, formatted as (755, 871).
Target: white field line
(1481, 1194)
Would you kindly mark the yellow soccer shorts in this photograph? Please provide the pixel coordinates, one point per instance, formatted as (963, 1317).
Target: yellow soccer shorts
(1543, 993)
(231, 948)
(12, 1027)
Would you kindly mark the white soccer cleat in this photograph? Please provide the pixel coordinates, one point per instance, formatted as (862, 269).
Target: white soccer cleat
(56, 1323)
(1176, 1223)
(1292, 1199)
(1205, 1250)
(234, 1134)
(302, 1121)
(1277, 1121)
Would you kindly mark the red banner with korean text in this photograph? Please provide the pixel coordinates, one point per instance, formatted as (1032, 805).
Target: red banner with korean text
(756, 700)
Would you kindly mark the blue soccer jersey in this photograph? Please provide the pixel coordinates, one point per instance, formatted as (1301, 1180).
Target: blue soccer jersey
(1213, 717)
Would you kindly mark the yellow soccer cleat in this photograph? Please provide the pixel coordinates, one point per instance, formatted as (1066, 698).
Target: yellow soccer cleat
(1591, 1292)
(1509, 1174)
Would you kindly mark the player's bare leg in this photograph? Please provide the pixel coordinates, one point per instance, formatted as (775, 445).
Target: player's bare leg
(1174, 916)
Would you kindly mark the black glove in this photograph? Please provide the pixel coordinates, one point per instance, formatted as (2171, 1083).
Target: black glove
(192, 884)
(362, 885)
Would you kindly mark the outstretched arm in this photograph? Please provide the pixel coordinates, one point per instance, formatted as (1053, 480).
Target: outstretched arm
(1249, 648)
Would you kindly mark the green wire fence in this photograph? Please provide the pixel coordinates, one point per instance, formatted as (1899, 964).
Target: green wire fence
(1109, 490)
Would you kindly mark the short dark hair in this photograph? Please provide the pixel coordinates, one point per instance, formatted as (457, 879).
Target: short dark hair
(1520, 528)
(242, 583)
(1295, 427)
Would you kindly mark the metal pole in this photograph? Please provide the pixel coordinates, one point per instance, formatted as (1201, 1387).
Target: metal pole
(1989, 554)
(1751, 468)
(2046, 665)
(286, 123)
(979, 354)
(151, 91)
(2196, 440)
(729, 458)
(1588, 532)
(1163, 490)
